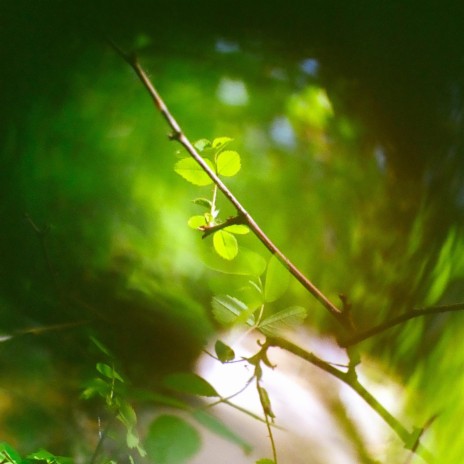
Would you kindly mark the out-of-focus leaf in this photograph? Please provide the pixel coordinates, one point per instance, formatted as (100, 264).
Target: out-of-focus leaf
(285, 319)
(190, 170)
(247, 262)
(109, 372)
(265, 401)
(8, 454)
(265, 461)
(49, 458)
(101, 346)
(226, 309)
(224, 352)
(187, 382)
(171, 440)
(228, 163)
(96, 387)
(225, 244)
(277, 280)
(219, 428)
(127, 415)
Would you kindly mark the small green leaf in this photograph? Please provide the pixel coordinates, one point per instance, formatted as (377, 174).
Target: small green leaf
(265, 461)
(202, 144)
(204, 202)
(133, 441)
(49, 458)
(228, 163)
(277, 280)
(225, 244)
(285, 319)
(221, 142)
(238, 229)
(265, 401)
(190, 170)
(8, 454)
(187, 382)
(195, 222)
(224, 352)
(226, 309)
(108, 372)
(127, 415)
(171, 440)
(219, 428)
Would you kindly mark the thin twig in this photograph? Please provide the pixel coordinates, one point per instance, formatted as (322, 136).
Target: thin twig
(178, 135)
(409, 439)
(400, 320)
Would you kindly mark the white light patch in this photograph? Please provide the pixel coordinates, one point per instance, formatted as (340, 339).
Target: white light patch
(282, 132)
(232, 92)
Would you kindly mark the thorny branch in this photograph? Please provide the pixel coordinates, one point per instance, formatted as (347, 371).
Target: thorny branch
(349, 377)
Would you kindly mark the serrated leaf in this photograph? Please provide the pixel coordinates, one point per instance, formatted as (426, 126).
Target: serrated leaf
(218, 427)
(187, 382)
(204, 202)
(226, 309)
(224, 352)
(133, 441)
(190, 170)
(277, 280)
(247, 262)
(238, 229)
(228, 163)
(109, 372)
(202, 144)
(221, 142)
(282, 320)
(195, 222)
(127, 415)
(171, 440)
(225, 244)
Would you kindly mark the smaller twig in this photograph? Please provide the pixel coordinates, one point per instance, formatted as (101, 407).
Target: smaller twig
(352, 381)
(399, 320)
(102, 436)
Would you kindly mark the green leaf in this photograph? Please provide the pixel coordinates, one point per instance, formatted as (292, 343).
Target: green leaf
(247, 262)
(195, 222)
(277, 280)
(265, 461)
(221, 142)
(265, 401)
(285, 319)
(127, 415)
(187, 382)
(171, 440)
(204, 202)
(133, 441)
(219, 428)
(224, 352)
(9, 454)
(190, 170)
(225, 244)
(108, 371)
(226, 309)
(238, 229)
(43, 455)
(96, 387)
(228, 163)
(202, 144)
(164, 400)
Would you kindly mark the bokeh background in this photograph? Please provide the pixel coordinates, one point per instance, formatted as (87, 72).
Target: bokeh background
(349, 122)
